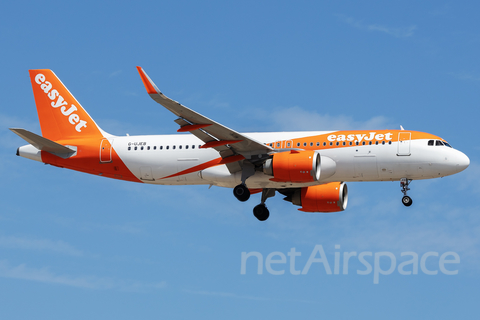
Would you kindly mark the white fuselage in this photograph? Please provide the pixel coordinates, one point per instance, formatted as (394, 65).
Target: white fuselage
(158, 159)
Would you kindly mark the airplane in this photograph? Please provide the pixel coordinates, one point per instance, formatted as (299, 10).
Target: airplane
(309, 168)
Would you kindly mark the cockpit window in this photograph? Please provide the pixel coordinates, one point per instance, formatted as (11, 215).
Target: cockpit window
(438, 143)
(431, 142)
(447, 144)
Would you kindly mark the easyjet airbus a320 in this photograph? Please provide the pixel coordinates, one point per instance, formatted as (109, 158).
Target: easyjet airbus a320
(309, 168)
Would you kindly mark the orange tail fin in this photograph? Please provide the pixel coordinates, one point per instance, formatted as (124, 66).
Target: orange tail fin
(61, 116)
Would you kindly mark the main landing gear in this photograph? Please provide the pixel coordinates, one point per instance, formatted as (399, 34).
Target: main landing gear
(241, 192)
(260, 211)
(404, 183)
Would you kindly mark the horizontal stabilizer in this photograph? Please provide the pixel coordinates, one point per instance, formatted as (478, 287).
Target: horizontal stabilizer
(42, 143)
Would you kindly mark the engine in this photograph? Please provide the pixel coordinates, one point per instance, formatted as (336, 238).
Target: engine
(299, 166)
(294, 166)
(329, 197)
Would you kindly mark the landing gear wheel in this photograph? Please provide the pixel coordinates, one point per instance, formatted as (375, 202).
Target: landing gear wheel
(407, 201)
(261, 212)
(404, 183)
(241, 192)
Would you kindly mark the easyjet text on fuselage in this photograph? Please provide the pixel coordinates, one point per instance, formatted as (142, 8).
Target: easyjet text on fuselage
(360, 137)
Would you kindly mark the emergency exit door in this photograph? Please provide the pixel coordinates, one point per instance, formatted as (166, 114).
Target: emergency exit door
(404, 143)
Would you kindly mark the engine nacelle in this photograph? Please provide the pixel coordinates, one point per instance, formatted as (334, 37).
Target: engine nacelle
(299, 166)
(294, 166)
(329, 197)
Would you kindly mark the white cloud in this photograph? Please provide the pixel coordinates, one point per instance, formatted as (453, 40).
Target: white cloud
(44, 275)
(402, 32)
(115, 73)
(465, 76)
(296, 118)
(244, 297)
(39, 245)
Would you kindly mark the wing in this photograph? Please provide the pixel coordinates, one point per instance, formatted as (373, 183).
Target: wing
(228, 142)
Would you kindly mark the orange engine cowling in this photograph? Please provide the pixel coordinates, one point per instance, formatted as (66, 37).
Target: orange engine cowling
(294, 166)
(329, 197)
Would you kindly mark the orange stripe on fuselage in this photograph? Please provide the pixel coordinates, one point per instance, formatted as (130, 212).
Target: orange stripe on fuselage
(206, 165)
(87, 160)
(339, 139)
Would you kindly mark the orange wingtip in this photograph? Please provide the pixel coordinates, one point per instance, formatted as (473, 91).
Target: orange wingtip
(146, 81)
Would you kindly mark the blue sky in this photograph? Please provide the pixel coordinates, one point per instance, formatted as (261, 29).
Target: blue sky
(78, 246)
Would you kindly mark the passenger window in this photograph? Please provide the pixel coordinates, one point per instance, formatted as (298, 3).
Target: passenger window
(141, 148)
(167, 147)
(304, 144)
(186, 147)
(193, 146)
(343, 142)
(389, 142)
(129, 148)
(318, 144)
(356, 143)
(383, 142)
(338, 143)
(351, 142)
(135, 148)
(154, 147)
(278, 144)
(298, 144)
(324, 144)
(376, 142)
(148, 148)
(173, 147)
(180, 147)
(288, 144)
(430, 142)
(363, 142)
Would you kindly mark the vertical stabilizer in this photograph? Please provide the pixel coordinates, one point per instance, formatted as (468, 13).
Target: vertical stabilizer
(61, 115)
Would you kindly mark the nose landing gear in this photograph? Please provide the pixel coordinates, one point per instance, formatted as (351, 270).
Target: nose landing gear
(404, 183)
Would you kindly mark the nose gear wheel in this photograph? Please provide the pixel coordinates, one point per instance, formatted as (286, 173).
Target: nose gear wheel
(406, 200)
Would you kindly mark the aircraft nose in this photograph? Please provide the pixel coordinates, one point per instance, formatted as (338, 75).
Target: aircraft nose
(462, 161)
